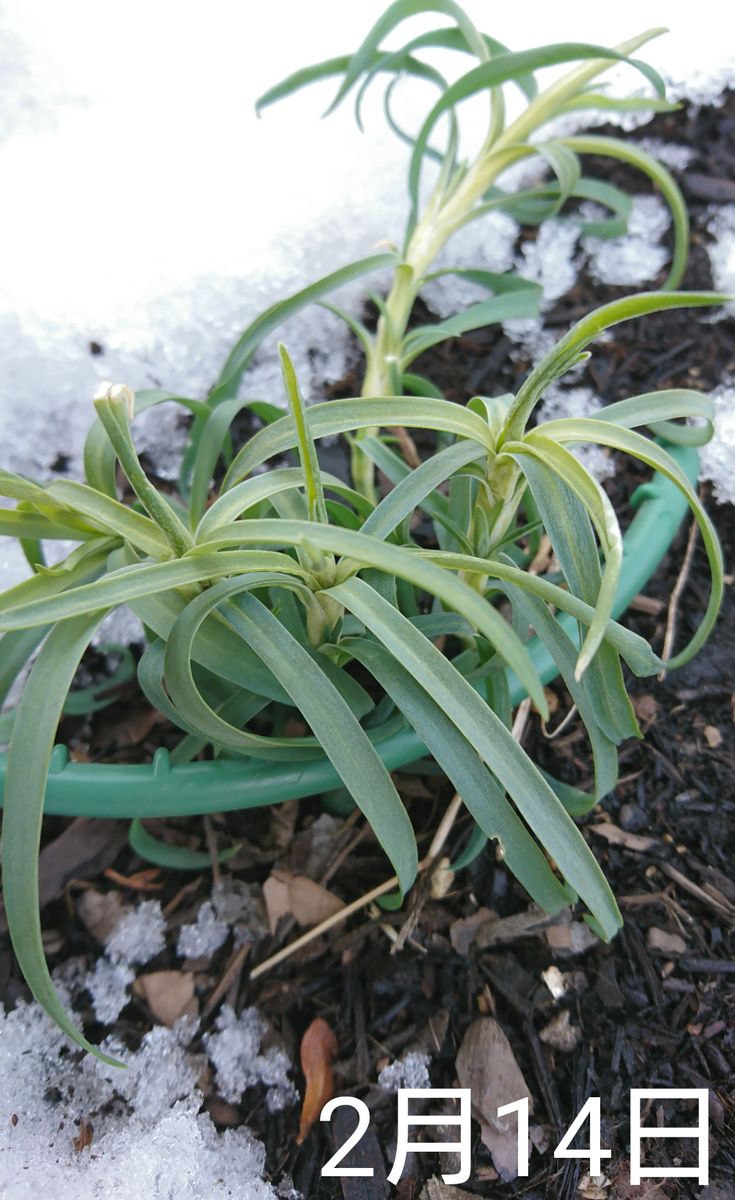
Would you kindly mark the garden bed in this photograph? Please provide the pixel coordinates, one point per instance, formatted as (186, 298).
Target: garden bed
(656, 1007)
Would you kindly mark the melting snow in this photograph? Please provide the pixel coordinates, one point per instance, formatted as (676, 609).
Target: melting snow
(137, 938)
(235, 1051)
(201, 940)
(637, 257)
(150, 1137)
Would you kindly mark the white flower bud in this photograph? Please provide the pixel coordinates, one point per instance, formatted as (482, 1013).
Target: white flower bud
(117, 391)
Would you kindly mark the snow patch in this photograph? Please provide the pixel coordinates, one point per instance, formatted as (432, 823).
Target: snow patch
(150, 1139)
(235, 1051)
(410, 1072)
(137, 938)
(204, 938)
(717, 458)
(637, 257)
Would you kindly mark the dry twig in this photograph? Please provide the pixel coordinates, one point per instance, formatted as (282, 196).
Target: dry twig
(679, 586)
(440, 837)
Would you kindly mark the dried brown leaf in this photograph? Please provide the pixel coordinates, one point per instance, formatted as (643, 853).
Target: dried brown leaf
(100, 912)
(487, 1066)
(619, 837)
(86, 1133)
(307, 901)
(318, 1048)
(560, 1034)
(82, 851)
(170, 995)
(645, 708)
(462, 932)
(142, 881)
(528, 924)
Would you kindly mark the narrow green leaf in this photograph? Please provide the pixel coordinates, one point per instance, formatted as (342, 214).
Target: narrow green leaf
(459, 761)
(113, 515)
(658, 410)
(302, 78)
(240, 356)
(557, 361)
(173, 858)
(113, 415)
(417, 385)
(15, 487)
(634, 649)
(216, 646)
(503, 68)
(565, 165)
(540, 461)
(307, 449)
(493, 742)
(648, 452)
(367, 551)
(409, 493)
(337, 729)
(576, 802)
(210, 447)
(626, 104)
(342, 416)
(661, 176)
(29, 525)
(232, 712)
(25, 785)
(564, 653)
(477, 843)
(523, 302)
(145, 579)
(397, 12)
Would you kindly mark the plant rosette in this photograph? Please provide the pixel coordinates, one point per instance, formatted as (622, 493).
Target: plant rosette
(264, 597)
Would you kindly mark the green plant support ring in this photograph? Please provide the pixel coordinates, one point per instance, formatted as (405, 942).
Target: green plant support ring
(162, 790)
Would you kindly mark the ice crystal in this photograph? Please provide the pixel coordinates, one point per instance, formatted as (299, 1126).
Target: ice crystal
(201, 940)
(235, 1052)
(410, 1072)
(108, 986)
(717, 458)
(638, 256)
(139, 935)
(150, 1137)
(721, 250)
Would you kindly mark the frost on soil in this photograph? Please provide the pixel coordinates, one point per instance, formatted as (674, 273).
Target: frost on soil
(150, 1139)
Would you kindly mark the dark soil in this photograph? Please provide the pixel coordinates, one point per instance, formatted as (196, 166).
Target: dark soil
(647, 1018)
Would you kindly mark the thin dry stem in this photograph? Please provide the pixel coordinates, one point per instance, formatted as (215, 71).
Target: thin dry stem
(561, 727)
(234, 968)
(521, 719)
(212, 848)
(440, 837)
(679, 586)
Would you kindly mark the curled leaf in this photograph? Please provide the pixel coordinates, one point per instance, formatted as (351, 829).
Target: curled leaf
(318, 1048)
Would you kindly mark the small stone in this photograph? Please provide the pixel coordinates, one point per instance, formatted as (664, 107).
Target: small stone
(659, 941)
(713, 736)
(632, 818)
(560, 1034)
